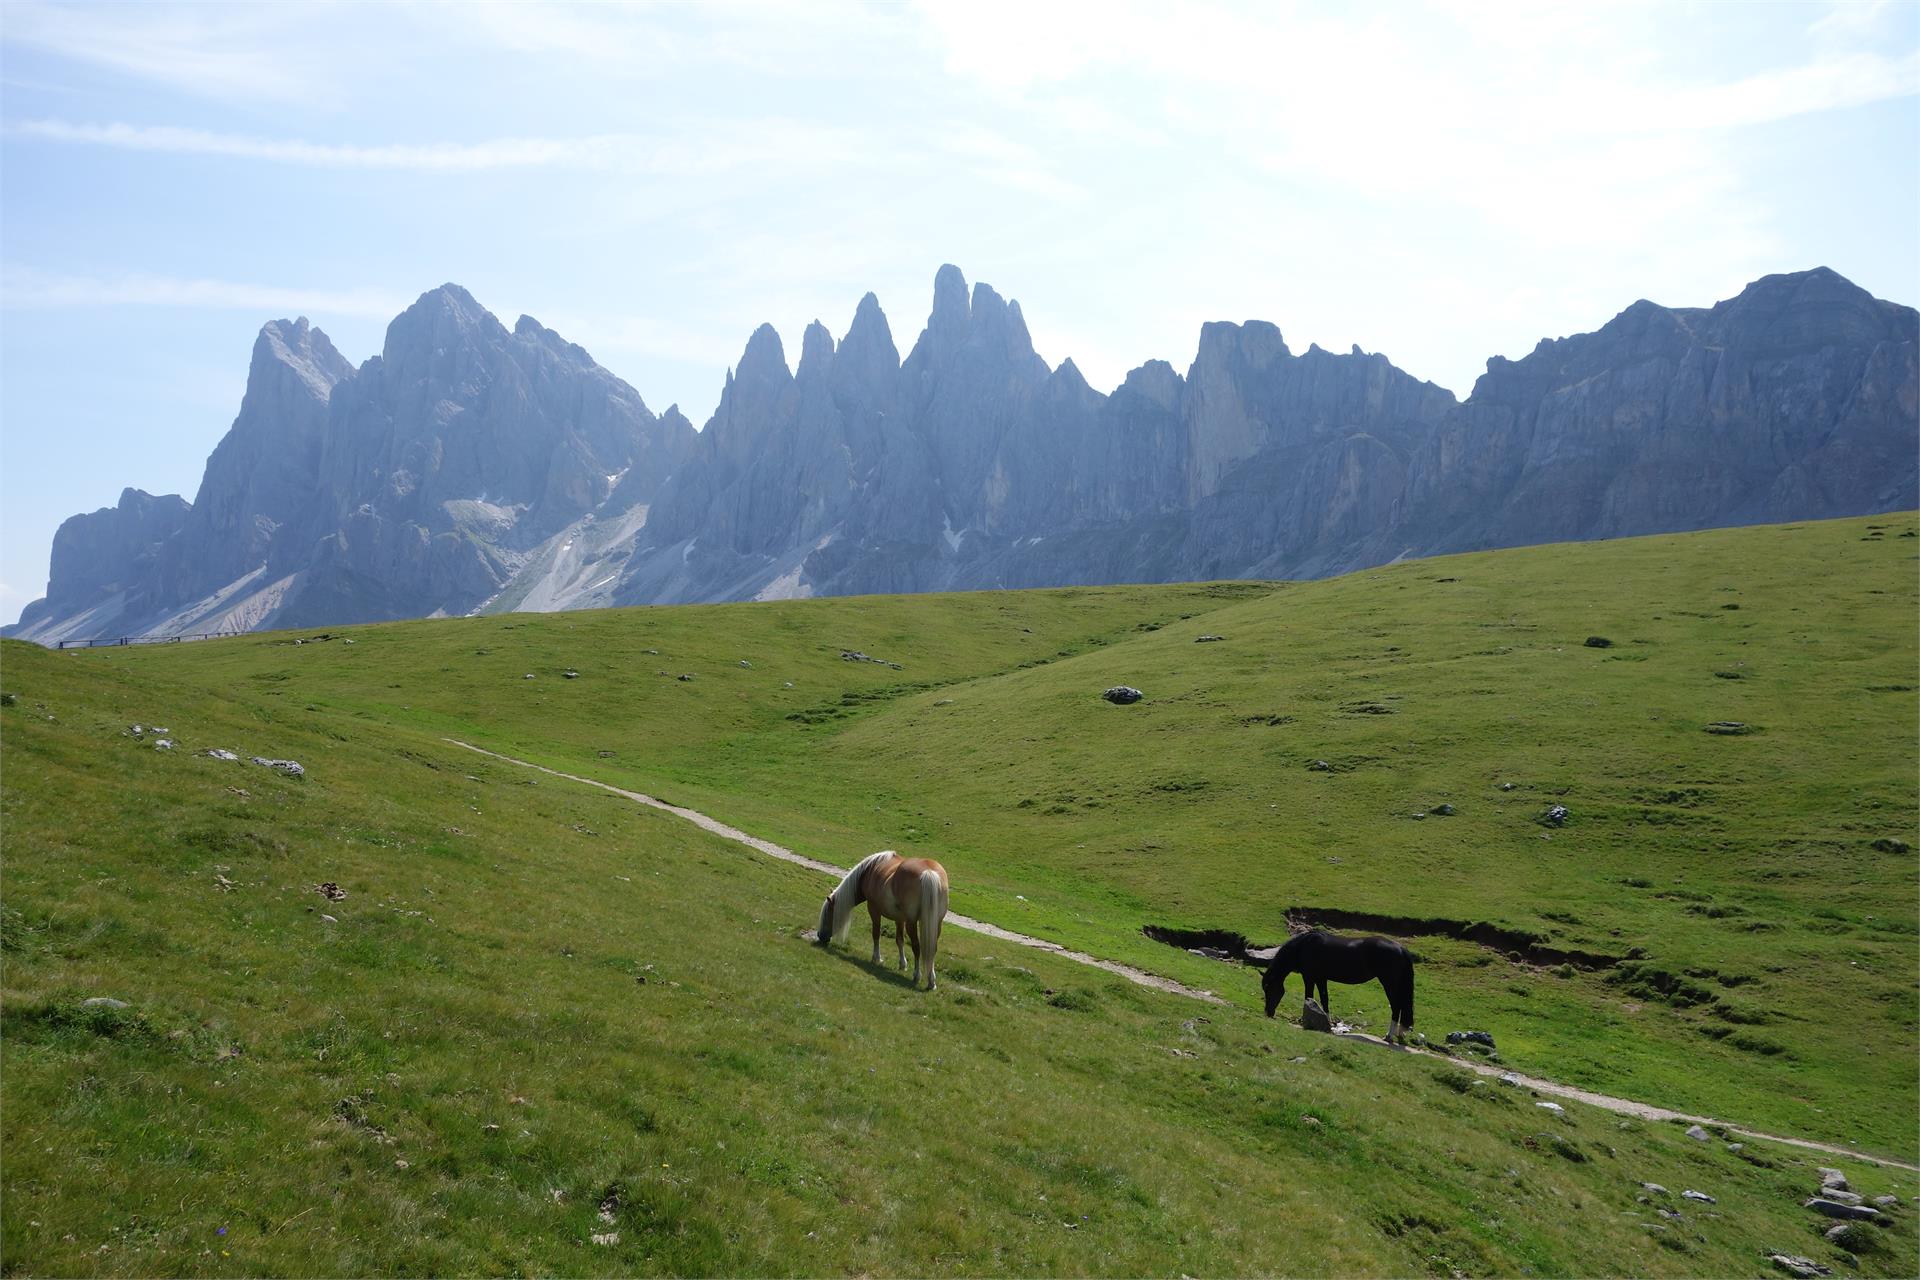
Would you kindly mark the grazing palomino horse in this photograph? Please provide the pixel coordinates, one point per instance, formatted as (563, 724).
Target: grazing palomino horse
(912, 892)
(1318, 956)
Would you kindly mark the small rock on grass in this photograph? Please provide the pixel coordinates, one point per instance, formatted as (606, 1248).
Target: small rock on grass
(1554, 1107)
(1794, 1265)
(1701, 1196)
(1698, 1134)
(1123, 695)
(102, 1002)
(1653, 1188)
(1844, 1197)
(1850, 1236)
(1831, 1179)
(1835, 1209)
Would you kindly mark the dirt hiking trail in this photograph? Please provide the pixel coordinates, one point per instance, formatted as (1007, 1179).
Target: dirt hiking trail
(1621, 1106)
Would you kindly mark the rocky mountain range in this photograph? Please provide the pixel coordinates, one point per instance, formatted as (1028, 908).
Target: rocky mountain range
(469, 468)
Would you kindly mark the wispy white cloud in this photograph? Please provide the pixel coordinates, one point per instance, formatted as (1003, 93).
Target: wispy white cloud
(23, 288)
(996, 158)
(713, 149)
(1584, 141)
(499, 153)
(250, 52)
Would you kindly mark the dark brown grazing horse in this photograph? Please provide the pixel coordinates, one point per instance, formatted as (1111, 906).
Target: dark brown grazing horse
(1318, 956)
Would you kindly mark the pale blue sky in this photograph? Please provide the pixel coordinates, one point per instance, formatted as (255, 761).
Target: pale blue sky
(1439, 182)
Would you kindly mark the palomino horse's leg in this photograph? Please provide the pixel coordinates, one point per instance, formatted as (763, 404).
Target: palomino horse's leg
(900, 944)
(873, 913)
(914, 938)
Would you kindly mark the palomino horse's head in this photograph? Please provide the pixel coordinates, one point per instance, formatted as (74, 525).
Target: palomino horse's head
(1274, 984)
(824, 934)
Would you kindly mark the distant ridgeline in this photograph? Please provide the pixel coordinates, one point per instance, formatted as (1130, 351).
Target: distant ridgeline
(469, 468)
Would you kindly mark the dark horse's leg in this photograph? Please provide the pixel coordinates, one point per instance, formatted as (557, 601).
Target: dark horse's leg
(1321, 981)
(1399, 985)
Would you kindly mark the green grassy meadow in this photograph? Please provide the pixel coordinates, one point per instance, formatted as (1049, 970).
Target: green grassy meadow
(542, 1014)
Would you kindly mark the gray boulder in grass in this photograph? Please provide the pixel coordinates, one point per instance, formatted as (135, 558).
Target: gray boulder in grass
(1122, 695)
(1314, 1018)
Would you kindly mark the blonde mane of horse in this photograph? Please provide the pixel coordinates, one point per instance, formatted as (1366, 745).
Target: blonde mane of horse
(846, 896)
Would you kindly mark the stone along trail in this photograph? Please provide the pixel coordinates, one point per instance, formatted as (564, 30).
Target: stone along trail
(1621, 1106)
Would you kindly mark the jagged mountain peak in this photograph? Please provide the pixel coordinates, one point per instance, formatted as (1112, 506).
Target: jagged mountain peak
(868, 346)
(816, 351)
(439, 317)
(764, 357)
(1255, 343)
(950, 308)
(527, 329)
(1157, 381)
(137, 500)
(298, 347)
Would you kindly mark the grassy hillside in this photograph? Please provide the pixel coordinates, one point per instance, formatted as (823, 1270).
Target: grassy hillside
(755, 1105)
(542, 1015)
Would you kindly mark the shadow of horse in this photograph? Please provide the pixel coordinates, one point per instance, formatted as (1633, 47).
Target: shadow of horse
(880, 969)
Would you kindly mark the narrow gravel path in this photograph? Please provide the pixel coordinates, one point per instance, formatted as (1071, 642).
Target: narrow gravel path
(1621, 1106)
(785, 854)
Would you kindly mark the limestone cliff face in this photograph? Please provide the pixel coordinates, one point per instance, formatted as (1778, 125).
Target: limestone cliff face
(417, 484)
(983, 467)
(266, 471)
(458, 450)
(472, 467)
(101, 558)
(1794, 400)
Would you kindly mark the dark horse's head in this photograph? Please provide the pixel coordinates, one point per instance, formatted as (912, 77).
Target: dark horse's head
(1274, 981)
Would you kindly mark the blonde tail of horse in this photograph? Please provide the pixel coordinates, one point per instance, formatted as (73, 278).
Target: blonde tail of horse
(933, 908)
